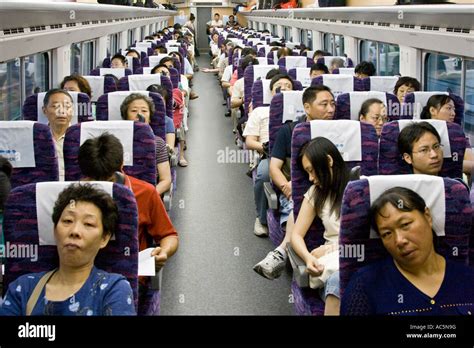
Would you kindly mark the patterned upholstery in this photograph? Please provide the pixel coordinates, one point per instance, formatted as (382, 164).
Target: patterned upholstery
(144, 154)
(157, 120)
(391, 162)
(346, 71)
(343, 105)
(358, 85)
(410, 100)
(282, 62)
(165, 82)
(31, 112)
(355, 226)
(307, 301)
(257, 92)
(21, 227)
(45, 159)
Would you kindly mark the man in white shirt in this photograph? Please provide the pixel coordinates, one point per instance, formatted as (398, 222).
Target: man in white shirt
(217, 21)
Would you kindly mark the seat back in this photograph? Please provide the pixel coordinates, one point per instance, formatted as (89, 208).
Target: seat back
(152, 61)
(452, 137)
(138, 142)
(100, 85)
(417, 100)
(142, 82)
(344, 71)
(302, 75)
(381, 83)
(355, 234)
(265, 61)
(284, 107)
(339, 83)
(326, 60)
(108, 109)
(27, 221)
(117, 72)
(33, 108)
(133, 63)
(348, 104)
(292, 62)
(261, 94)
(29, 147)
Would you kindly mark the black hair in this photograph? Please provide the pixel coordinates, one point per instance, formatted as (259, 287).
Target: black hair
(121, 57)
(5, 186)
(278, 77)
(284, 51)
(131, 98)
(52, 92)
(248, 60)
(131, 50)
(364, 109)
(311, 93)
(99, 158)
(366, 68)
(155, 88)
(319, 67)
(437, 101)
(272, 73)
(248, 50)
(409, 81)
(331, 187)
(156, 67)
(85, 192)
(412, 133)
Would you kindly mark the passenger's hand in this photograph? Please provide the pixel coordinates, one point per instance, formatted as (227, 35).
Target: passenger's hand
(319, 251)
(286, 189)
(313, 267)
(206, 70)
(160, 257)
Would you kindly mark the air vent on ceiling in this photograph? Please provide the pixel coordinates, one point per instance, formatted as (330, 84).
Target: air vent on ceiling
(95, 22)
(332, 20)
(86, 23)
(355, 22)
(56, 26)
(458, 30)
(324, 20)
(429, 27)
(344, 21)
(368, 23)
(38, 28)
(383, 24)
(13, 31)
(408, 26)
(103, 21)
(68, 25)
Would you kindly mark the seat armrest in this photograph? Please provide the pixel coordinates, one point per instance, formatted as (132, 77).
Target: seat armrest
(156, 280)
(167, 199)
(299, 267)
(272, 197)
(173, 160)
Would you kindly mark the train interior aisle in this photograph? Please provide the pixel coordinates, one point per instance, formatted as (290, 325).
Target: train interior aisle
(213, 211)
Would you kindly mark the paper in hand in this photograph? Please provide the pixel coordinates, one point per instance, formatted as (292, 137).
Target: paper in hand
(146, 263)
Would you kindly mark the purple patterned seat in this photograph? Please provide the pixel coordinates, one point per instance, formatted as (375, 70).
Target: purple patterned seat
(340, 83)
(471, 237)
(348, 104)
(20, 227)
(101, 85)
(391, 161)
(327, 61)
(380, 83)
(144, 148)
(355, 224)
(46, 163)
(117, 72)
(108, 109)
(142, 82)
(417, 100)
(32, 108)
(307, 301)
(345, 71)
(295, 62)
(251, 74)
(259, 98)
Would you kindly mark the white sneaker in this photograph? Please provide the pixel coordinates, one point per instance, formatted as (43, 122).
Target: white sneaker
(259, 229)
(271, 266)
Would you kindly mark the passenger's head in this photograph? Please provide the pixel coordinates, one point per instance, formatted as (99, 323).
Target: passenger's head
(439, 107)
(284, 52)
(405, 85)
(373, 111)
(215, 37)
(58, 107)
(327, 170)
(161, 69)
(76, 83)
(99, 158)
(247, 61)
(217, 16)
(192, 17)
(136, 104)
(364, 69)
(336, 63)
(281, 82)
(318, 69)
(318, 103)
(5, 186)
(271, 73)
(318, 54)
(155, 88)
(404, 223)
(420, 146)
(160, 50)
(118, 61)
(168, 61)
(133, 53)
(85, 218)
(231, 18)
(248, 51)
(115, 78)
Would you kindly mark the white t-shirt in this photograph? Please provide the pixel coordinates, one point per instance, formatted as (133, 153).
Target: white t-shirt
(227, 75)
(216, 24)
(331, 222)
(238, 90)
(257, 124)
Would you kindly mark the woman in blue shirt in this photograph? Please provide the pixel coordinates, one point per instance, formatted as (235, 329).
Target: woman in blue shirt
(415, 280)
(84, 219)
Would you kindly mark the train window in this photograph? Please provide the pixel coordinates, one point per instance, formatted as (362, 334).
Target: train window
(130, 37)
(309, 35)
(113, 44)
(36, 70)
(10, 90)
(75, 60)
(87, 57)
(442, 73)
(368, 51)
(328, 43)
(389, 59)
(274, 29)
(338, 45)
(469, 100)
(286, 33)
